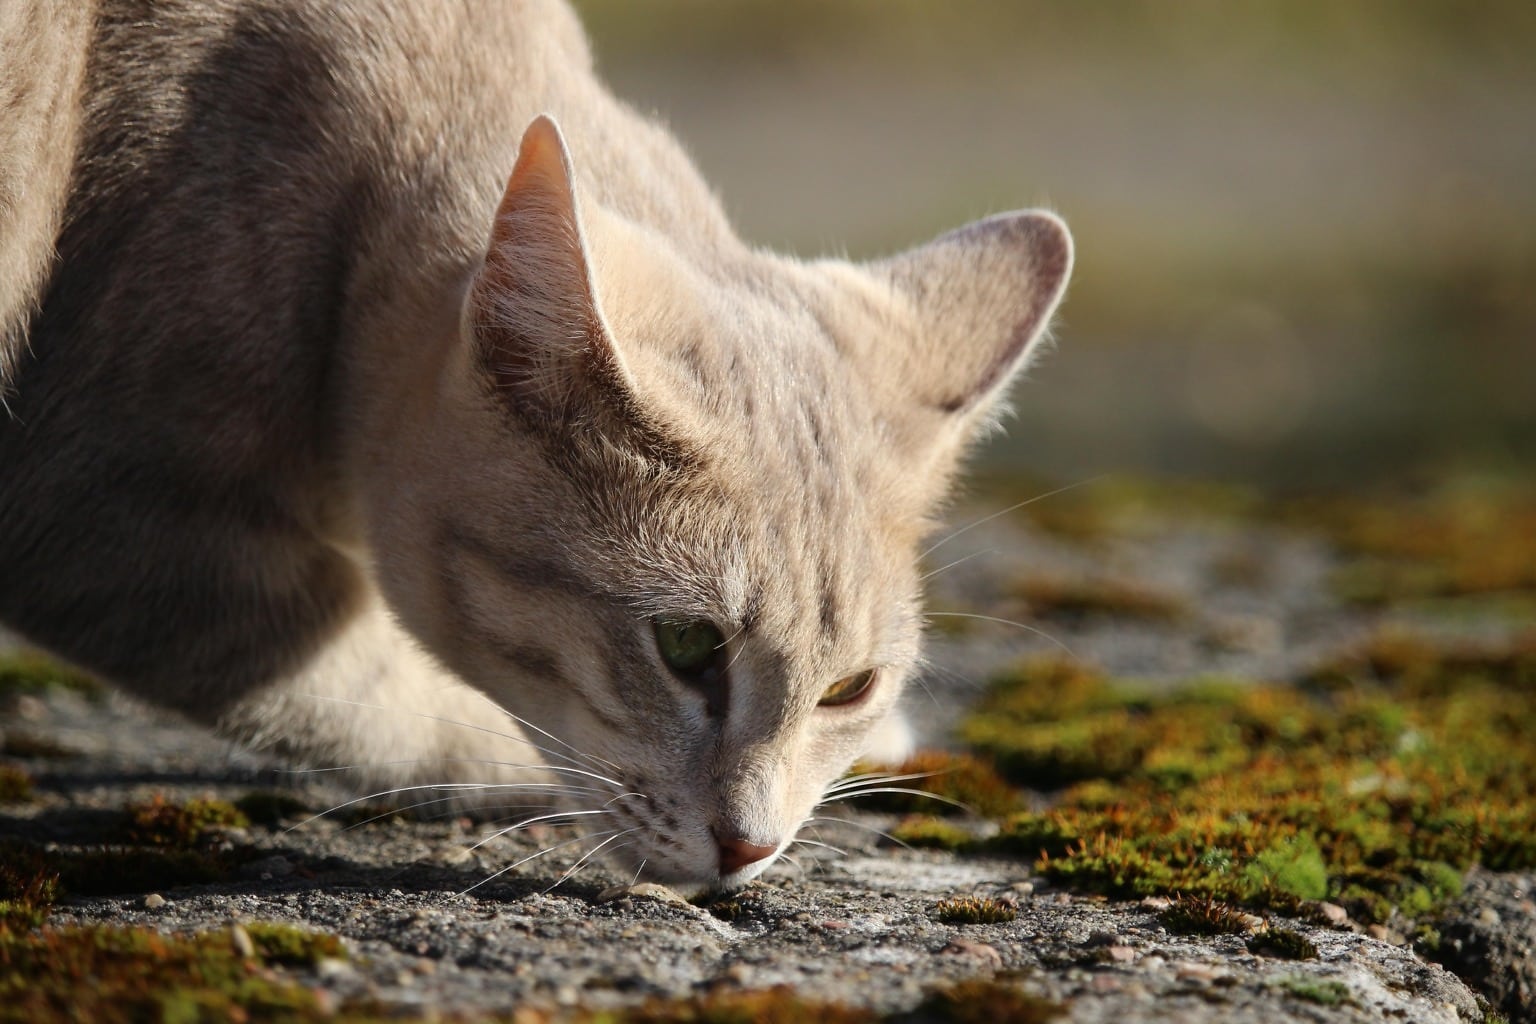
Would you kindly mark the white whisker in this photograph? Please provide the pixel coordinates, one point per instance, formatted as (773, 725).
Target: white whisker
(517, 864)
(590, 854)
(860, 824)
(849, 795)
(959, 561)
(1006, 622)
(1011, 508)
(557, 815)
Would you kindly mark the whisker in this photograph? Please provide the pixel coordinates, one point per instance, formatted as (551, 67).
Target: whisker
(590, 854)
(428, 803)
(849, 795)
(1011, 508)
(591, 759)
(516, 864)
(510, 737)
(636, 880)
(860, 824)
(824, 846)
(1006, 622)
(436, 787)
(959, 561)
(557, 815)
(875, 778)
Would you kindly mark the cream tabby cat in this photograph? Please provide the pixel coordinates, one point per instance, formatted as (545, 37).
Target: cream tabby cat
(310, 406)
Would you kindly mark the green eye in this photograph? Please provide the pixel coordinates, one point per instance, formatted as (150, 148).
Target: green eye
(848, 689)
(691, 649)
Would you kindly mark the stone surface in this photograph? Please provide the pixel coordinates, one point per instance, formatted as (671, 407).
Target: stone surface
(434, 927)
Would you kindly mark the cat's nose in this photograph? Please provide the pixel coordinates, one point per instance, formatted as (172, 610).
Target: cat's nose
(736, 853)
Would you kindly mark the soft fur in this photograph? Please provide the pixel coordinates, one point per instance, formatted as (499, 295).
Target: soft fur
(314, 412)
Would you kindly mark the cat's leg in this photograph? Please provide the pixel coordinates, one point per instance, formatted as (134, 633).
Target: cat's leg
(373, 703)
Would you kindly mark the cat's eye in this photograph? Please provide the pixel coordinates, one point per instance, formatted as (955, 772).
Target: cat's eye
(848, 689)
(692, 649)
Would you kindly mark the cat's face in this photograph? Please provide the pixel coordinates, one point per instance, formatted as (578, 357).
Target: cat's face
(672, 514)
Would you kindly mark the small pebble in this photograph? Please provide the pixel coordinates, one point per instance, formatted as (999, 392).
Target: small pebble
(1334, 914)
(154, 901)
(1121, 954)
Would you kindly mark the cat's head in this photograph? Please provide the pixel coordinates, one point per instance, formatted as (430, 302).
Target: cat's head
(671, 510)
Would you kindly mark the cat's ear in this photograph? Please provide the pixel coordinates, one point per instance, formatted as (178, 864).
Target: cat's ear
(982, 297)
(538, 328)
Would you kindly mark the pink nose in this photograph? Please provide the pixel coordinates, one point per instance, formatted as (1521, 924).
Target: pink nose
(736, 854)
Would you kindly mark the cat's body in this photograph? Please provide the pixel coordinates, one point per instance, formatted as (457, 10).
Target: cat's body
(277, 421)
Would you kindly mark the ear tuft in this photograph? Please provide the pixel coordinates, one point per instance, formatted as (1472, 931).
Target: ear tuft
(983, 296)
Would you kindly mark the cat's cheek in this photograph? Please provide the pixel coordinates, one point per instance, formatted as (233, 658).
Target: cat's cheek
(890, 741)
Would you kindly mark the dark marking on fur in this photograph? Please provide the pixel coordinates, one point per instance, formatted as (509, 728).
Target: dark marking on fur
(827, 607)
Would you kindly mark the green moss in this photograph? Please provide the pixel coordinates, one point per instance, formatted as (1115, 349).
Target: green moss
(1282, 944)
(271, 807)
(975, 910)
(1376, 784)
(111, 975)
(159, 822)
(293, 947)
(987, 1002)
(777, 1005)
(963, 783)
(1322, 992)
(15, 785)
(35, 674)
(1077, 598)
(1196, 915)
(929, 833)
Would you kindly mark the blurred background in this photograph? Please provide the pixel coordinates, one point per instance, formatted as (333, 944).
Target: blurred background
(1306, 229)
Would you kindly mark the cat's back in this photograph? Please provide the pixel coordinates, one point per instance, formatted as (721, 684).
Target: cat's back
(199, 182)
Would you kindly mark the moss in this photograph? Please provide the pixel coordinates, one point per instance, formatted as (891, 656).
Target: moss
(987, 1002)
(1313, 990)
(293, 947)
(960, 779)
(777, 1005)
(35, 674)
(1282, 944)
(1195, 915)
(928, 833)
(1075, 599)
(1462, 536)
(1117, 506)
(159, 822)
(975, 910)
(15, 785)
(1376, 784)
(271, 807)
(28, 886)
(111, 975)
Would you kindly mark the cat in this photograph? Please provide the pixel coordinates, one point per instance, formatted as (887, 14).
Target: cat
(382, 391)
